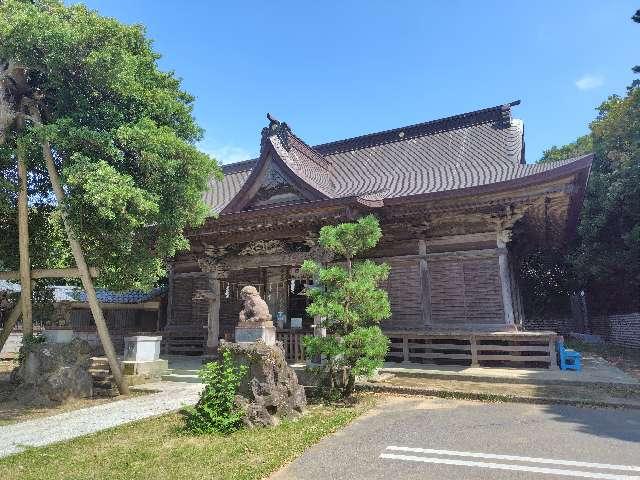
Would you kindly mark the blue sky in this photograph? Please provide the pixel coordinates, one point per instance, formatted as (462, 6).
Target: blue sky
(334, 70)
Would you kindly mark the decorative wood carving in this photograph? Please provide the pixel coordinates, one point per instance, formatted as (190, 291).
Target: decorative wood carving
(263, 247)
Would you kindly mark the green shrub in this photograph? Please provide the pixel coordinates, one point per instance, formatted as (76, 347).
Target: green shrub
(350, 303)
(216, 411)
(359, 353)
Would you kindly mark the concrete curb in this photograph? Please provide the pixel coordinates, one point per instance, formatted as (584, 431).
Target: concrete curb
(520, 381)
(458, 394)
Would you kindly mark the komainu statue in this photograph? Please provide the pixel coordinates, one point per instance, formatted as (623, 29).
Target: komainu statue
(255, 309)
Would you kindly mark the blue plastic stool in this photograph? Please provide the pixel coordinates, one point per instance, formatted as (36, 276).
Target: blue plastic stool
(569, 359)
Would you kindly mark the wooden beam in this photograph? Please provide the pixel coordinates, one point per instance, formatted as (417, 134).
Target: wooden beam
(49, 273)
(120, 306)
(10, 322)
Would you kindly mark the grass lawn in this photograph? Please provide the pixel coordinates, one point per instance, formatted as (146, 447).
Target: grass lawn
(158, 448)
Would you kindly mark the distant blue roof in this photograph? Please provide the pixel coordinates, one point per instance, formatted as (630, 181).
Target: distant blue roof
(76, 294)
(6, 286)
(67, 293)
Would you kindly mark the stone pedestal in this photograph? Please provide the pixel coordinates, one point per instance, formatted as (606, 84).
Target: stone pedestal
(58, 335)
(249, 332)
(142, 348)
(142, 362)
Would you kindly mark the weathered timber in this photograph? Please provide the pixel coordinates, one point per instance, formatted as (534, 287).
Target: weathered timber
(23, 244)
(49, 273)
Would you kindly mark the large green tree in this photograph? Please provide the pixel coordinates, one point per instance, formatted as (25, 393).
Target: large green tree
(122, 135)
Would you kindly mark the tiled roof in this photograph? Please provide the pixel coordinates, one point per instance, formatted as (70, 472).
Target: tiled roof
(75, 294)
(6, 286)
(469, 150)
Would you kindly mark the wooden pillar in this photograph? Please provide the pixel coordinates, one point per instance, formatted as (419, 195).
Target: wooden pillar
(553, 364)
(170, 293)
(505, 277)
(473, 342)
(23, 245)
(406, 357)
(213, 317)
(425, 284)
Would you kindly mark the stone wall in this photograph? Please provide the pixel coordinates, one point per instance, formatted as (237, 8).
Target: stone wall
(623, 330)
(558, 324)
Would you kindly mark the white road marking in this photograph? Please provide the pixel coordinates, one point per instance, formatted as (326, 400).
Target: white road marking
(507, 466)
(550, 461)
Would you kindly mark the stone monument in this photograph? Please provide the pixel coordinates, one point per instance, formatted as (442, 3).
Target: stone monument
(270, 391)
(54, 373)
(255, 320)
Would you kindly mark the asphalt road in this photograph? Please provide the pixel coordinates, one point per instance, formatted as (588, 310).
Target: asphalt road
(419, 438)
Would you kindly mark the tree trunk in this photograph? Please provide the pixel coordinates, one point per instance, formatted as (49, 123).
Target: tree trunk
(10, 322)
(96, 311)
(23, 245)
(350, 386)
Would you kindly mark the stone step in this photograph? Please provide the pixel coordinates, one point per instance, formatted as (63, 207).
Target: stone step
(105, 392)
(182, 376)
(104, 384)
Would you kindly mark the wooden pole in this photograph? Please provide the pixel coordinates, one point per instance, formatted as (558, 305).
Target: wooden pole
(23, 245)
(10, 322)
(96, 311)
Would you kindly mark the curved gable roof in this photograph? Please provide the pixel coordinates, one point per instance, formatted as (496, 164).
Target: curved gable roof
(473, 149)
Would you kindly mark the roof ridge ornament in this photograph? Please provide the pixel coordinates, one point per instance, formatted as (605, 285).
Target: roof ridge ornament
(278, 128)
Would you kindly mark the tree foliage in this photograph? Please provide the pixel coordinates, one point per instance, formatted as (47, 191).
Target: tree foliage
(123, 137)
(581, 146)
(350, 304)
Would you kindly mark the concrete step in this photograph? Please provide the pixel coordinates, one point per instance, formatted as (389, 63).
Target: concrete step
(181, 375)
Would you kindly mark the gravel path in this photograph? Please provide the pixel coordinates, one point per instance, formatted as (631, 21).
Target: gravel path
(171, 396)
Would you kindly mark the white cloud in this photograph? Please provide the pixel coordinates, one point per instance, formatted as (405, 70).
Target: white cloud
(229, 154)
(589, 81)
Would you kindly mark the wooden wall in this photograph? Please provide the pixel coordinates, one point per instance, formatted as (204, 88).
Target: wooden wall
(465, 291)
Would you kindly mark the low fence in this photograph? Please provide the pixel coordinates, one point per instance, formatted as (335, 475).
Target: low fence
(522, 349)
(292, 343)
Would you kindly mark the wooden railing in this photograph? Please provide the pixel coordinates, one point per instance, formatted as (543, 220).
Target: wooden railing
(518, 349)
(292, 343)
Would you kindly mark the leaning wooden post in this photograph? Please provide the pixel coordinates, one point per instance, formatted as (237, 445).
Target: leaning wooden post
(10, 322)
(96, 311)
(23, 244)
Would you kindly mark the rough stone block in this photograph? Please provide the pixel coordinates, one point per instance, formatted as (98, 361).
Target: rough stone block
(270, 391)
